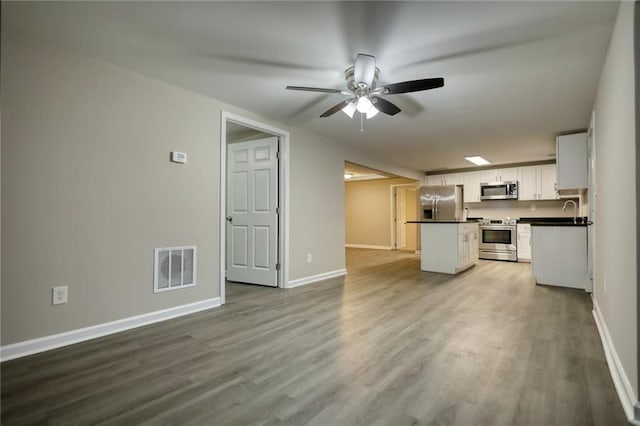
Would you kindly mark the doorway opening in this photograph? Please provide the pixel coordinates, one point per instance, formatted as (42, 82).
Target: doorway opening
(377, 207)
(254, 200)
(404, 208)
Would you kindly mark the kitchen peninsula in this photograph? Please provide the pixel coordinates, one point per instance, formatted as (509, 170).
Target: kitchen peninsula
(559, 253)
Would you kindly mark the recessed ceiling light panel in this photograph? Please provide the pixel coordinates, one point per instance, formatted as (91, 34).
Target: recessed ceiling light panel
(477, 160)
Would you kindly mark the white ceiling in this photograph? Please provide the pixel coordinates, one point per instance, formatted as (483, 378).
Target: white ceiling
(516, 73)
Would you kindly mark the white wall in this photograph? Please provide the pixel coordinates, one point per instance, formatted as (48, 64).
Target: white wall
(616, 231)
(88, 190)
(368, 212)
(500, 209)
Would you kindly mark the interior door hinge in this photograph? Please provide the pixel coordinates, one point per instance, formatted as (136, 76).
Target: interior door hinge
(277, 210)
(278, 154)
(277, 266)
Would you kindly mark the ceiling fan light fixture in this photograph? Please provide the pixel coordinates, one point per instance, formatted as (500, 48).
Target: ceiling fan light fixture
(349, 109)
(364, 104)
(372, 112)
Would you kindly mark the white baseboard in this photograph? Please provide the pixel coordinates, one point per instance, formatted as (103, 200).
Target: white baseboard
(367, 246)
(620, 379)
(41, 344)
(316, 278)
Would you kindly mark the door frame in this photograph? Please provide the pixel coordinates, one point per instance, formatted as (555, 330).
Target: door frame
(593, 196)
(394, 214)
(283, 196)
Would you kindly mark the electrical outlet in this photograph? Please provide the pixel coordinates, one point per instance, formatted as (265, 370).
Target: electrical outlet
(60, 295)
(309, 258)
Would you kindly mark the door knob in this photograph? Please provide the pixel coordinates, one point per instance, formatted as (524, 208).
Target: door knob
(229, 219)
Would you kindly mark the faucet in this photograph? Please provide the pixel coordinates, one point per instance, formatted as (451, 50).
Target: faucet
(575, 210)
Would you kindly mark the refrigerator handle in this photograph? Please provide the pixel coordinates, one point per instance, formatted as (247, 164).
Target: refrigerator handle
(435, 208)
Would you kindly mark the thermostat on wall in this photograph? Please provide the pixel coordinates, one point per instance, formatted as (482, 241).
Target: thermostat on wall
(178, 157)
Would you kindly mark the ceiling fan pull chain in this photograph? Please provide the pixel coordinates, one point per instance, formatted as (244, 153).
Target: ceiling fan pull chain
(361, 122)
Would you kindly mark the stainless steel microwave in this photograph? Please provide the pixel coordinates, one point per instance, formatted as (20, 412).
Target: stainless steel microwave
(507, 190)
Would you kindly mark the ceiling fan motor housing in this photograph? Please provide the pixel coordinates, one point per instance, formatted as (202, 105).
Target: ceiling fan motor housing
(353, 85)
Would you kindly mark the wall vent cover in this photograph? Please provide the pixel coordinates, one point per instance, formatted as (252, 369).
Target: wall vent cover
(174, 268)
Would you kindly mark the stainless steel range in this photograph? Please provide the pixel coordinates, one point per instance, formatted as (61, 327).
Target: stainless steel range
(498, 240)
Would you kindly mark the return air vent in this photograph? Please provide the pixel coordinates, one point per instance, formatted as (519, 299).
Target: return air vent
(175, 268)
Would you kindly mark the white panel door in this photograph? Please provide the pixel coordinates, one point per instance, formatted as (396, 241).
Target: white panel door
(252, 219)
(401, 218)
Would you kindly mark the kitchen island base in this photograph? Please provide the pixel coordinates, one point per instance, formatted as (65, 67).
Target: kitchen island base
(448, 247)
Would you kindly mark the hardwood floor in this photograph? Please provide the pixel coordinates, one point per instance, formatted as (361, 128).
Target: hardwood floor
(386, 345)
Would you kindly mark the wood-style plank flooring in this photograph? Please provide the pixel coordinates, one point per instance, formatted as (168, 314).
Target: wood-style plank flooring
(386, 345)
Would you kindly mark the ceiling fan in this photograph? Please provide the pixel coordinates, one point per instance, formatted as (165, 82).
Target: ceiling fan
(364, 94)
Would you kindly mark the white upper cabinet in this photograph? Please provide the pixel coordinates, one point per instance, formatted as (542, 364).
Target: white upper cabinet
(571, 160)
(471, 182)
(547, 188)
(528, 183)
(537, 182)
(444, 179)
(499, 175)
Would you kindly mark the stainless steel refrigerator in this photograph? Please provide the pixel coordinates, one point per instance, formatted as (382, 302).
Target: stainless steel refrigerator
(441, 203)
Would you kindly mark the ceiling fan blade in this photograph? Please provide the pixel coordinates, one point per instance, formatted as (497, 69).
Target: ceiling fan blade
(414, 85)
(385, 106)
(365, 69)
(313, 89)
(335, 108)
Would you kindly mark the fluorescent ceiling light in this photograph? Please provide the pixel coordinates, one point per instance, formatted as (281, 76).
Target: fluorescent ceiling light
(477, 160)
(348, 175)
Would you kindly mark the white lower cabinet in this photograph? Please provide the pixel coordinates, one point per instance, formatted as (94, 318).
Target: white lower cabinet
(448, 247)
(524, 242)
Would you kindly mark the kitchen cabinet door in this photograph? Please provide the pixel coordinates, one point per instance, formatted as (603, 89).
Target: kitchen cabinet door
(462, 249)
(444, 179)
(528, 183)
(547, 182)
(453, 179)
(471, 182)
(474, 246)
(499, 175)
(489, 176)
(524, 242)
(432, 180)
(571, 157)
(509, 174)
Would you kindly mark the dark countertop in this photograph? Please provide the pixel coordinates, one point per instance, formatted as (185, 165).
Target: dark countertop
(440, 221)
(567, 224)
(554, 221)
